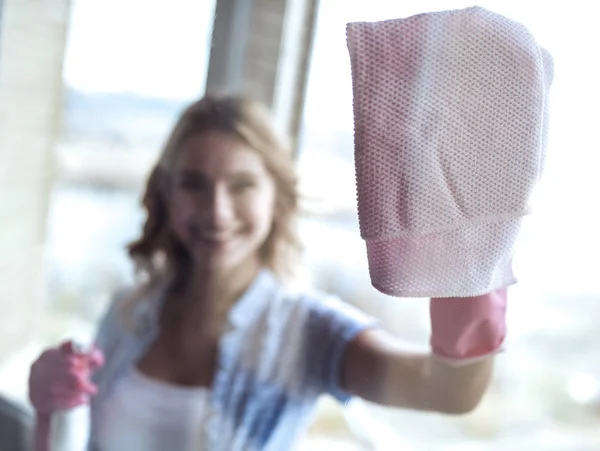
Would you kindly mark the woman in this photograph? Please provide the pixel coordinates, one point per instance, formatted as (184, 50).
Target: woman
(211, 350)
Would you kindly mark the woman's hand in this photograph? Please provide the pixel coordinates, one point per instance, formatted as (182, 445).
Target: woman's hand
(60, 378)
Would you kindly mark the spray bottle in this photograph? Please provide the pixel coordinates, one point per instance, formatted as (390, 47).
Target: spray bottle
(70, 429)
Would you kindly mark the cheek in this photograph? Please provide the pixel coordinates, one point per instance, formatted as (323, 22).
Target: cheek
(180, 212)
(260, 212)
(266, 214)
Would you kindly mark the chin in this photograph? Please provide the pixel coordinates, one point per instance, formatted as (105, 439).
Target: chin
(221, 259)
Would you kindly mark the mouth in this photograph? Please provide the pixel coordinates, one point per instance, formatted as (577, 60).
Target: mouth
(216, 239)
(213, 238)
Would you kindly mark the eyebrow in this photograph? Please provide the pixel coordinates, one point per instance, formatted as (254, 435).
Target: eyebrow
(190, 173)
(243, 174)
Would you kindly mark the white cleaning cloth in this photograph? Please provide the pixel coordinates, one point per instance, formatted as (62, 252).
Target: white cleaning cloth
(449, 111)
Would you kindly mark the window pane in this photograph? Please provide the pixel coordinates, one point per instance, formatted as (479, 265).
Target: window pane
(534, 403)
(129, 69)
(131, 66)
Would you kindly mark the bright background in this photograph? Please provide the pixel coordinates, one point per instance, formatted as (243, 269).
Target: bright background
(124, 86)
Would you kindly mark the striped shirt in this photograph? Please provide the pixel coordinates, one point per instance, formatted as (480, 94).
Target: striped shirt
(280, 352)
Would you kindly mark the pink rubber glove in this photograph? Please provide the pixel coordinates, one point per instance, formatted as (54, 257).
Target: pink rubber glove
(466, 329)
(60, 378)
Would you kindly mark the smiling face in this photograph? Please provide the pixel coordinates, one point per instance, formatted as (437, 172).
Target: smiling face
(223, 192)
(221, 201)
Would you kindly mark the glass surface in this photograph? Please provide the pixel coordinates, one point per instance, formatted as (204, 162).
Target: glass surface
(132, 65)
(546, 389)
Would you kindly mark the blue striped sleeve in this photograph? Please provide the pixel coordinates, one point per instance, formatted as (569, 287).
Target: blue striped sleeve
(331, 325)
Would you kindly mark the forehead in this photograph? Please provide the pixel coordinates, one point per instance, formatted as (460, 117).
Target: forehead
(218, 154)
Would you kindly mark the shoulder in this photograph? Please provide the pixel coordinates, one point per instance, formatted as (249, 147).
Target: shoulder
(320, 302)
(315, 309)
(312, 330)
(126, 310)
(110, 324)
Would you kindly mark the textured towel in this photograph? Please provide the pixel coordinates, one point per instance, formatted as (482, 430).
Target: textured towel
(449, 112)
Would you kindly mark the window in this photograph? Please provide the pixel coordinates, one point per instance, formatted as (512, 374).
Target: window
(131, 65)
(546, 391)
(129, 69)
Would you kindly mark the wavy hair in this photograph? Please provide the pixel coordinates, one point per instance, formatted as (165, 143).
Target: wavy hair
(156, 253)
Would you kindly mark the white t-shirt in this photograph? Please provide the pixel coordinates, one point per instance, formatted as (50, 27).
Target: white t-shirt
(280, 350)
(144, 414)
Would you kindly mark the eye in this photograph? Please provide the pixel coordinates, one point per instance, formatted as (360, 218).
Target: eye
(242, 186)
(190, 183)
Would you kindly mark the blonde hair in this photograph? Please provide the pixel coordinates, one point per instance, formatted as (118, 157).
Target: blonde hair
(156, 253)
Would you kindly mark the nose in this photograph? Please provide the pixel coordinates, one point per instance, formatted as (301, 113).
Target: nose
(220, 208)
